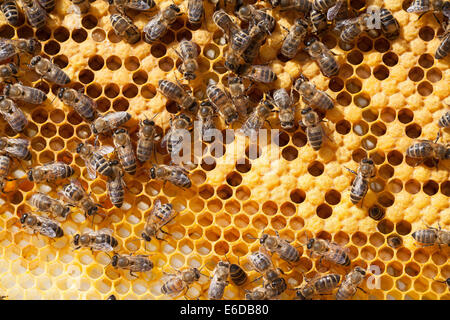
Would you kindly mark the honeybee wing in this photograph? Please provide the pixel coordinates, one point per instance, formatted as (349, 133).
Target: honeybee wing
(343, 23)
(47, 227)
(6, 49)
(104, 150)
(334, 247)
(166, 139)
(91, 170)
(334, 10)
(415, 7)
(16, 147)
(102, 246)
(105, 231)
(138, 5)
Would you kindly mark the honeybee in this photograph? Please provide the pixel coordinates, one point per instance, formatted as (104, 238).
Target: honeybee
(81, 103)
(206, 114)
(188, 54)
(447, 281)
(140, 5)
(299, 5)
(74, 194)
(314, 131)
(9, 47)
(82, 5)
(424, 149)
(178, 94)
(158, 25)
(329, 251)
(238, 38)
(180, 281)
(256, 73)
(444, 47)
(139, 263)
(160, 215)
(146, 140)
(27, 94)
(46, 203)
(10, 11)
(5, 166)
(360, 185)
(424, 6)
(350, 284)
(219, 281)
(237, 275)
(107, 123)
(175, 137)
(284, 249)
(389, 25)
(94, 158)
(331, 7)
(195, 11)
(256, 119)
(275, 282)
(124, 150)
(444, 120)
(48, 5)
(350, 29)
(318, 20)
(258, 33)
(251, 14)
(50, 172)
(260, 261)
(48, 70)
(323, 56)
(222, 102)
(311, 95)
(15, 147)
(317, 285)
(125, 28)
(116, 185)
(283, 101)
(238, 95)
(432, 236)
(261, 293)
(178, 176)
(101, 240)
(45, 226)
(294, 38)
(36, 15)
(8, 71)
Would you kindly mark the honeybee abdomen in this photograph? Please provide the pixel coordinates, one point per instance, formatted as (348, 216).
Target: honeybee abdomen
(240, 41)
(291, 45)
(11, 12)
(345, 292)
(129, 164)
(329, 67)
(117, 195)
(389, 25)
(144, 150)
(350, 33)
(444, 48)
(102, 165)
(237, 275)
(444, 121)
(106, 238)
(323, 5)
(5, 163)
(315, 137)
(63, 171)
(59, 232)
(290, 255)
(36, 16)
(359, 189)
(420, 150)
(327, 283)
(125, 28)
(427, 236)
(36, 96)
(188, 50)
(318, 20)
(172, 287)
(17, 121)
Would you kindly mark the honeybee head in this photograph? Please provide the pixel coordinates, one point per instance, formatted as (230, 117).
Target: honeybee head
(31, 46)
(30, 175)
(149, 122)
(306, 110)
(110, 2)
(115, 260)
(76, 239)
(120, 130)
(175, 8)
(13, 68)
(114, 162)
(369, 161)
(61, 93)
(189, 75)
(66, 211)
(263, 238)
(92, 211)
(146, 237)
(360, 270)
(153, 172)
(23, 218)
(310, 243)
(79, 147)
(35, 60)
(7, 89)
(244, 11)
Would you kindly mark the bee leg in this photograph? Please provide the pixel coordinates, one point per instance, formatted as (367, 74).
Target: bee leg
(132, 274)
(362, 290)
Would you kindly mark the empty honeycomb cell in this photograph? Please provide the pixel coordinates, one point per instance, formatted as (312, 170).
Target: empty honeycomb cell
(113, 63)
(111, 90)
(65, 131)
(98, 35)
(241, 221)
(395, 186)
(289, 153)
(38, 144)
(425, 88)
(56, 144)
(316, 168)
(343, 127)
(232, 206)
(299, 139)
(7, 31)
(48, 130)
(324, 211)
(381, 72)
(52, 47)
(86, 76)
(394, 269)
(353, 85)
(412, 186)
(395, 158)
(387, 114)
(333, 197)
(421, 285)
(445, 188)
(377, 185)
(39, 115)
(346, 70)
(355, 57)
(213, 233)
(358, 155)
(148, 91)
(430, 187)
(426, 61)
(166, 64)
(390, 59)
(378, 157)
(96, 62)
(426, 33)
(140, 77)
(43, 34)
(336, 84)
(363, 71)
(439, 258)
(43, 86)
(60, 60)
(416, 74)
(281, 139)
(94, 90)
(364, 44)
(382, 45)
(344, 98)
(434, 75)
(89, 21)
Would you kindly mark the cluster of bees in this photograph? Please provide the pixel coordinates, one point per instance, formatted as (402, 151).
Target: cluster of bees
(232, 105)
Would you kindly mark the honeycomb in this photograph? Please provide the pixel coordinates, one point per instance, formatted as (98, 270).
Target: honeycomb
(387, 94)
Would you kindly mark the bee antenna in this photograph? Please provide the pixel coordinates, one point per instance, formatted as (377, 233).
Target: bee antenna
(251, 237)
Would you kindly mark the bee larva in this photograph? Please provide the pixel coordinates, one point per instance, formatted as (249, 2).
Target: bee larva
(238, 95)
(258, 33)
(27, 94)
(48, 5)
(219, 281)
(256, 119)
(12, 114)
(323, 56)
(314, 131)
(284, 249)
(158, 25)
(251, 14)
(10, 11)
(350, 284)
(318, 285)
(177, 93)
(221, 101)
(188, 54)
(178, 176)
(329, 251)
(10, 48)
(74, 194)
(46, 203)
(116, 185)
(146, 140)
(35, 14)
(48, 70)
(444, 47)
(286, 114)
(5, 166)
(94, 158)
(331, 7)
(124, 150)
(81, 103)
(138, 263)
(125, 28)
(360, 185)
(107, 123)
(294, 38)
(43, 225)
(195, 11)
(180, 281)
(50, 172)
(101, 240)
(8, 71)
(82, 5)
(432, 236)
(444, 120)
